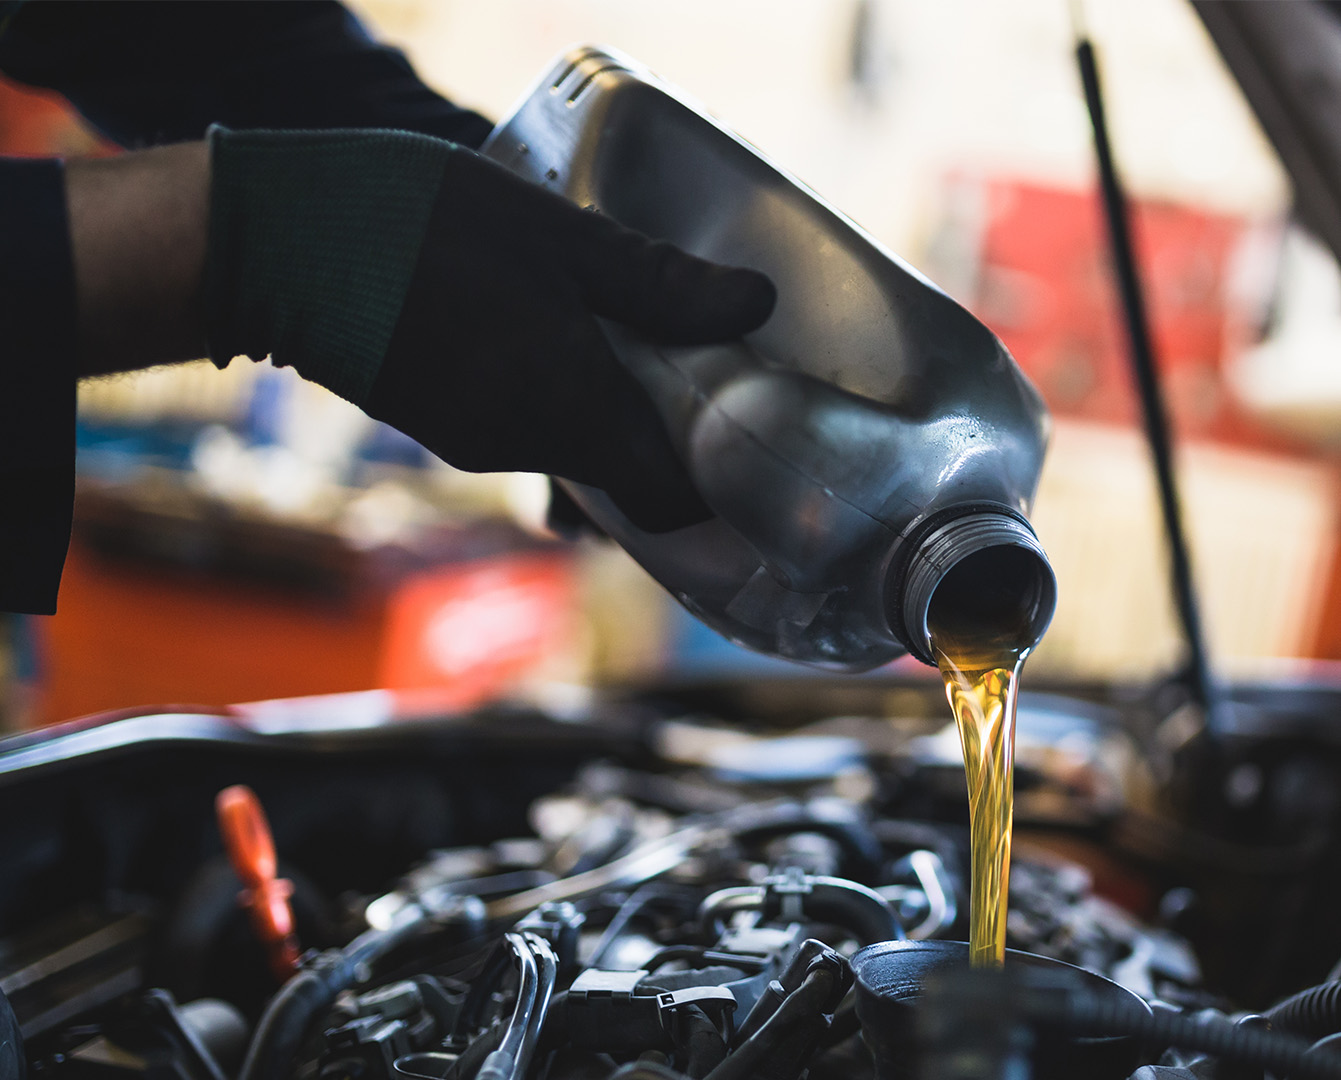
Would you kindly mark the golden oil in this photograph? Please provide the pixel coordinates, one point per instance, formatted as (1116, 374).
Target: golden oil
(981, 673)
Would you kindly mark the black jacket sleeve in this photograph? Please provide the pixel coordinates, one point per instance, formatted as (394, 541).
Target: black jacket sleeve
(37, 384)
(150, 72)
(144, 74)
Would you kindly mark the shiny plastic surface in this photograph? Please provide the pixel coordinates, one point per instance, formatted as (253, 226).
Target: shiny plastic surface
(869, 401)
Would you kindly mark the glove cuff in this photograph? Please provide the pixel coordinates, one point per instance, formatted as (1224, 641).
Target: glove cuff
(314, 237)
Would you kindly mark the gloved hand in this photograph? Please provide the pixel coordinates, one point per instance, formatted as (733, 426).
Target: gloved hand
(459, 303)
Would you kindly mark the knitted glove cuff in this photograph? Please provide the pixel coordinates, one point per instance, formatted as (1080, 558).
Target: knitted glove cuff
(314, 236)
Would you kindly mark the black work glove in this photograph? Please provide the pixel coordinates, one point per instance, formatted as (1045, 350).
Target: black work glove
(459, 303)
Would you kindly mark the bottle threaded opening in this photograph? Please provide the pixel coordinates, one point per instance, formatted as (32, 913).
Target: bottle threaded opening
(983, 575)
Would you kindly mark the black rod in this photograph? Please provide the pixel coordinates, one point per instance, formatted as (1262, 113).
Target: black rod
(1153, 410)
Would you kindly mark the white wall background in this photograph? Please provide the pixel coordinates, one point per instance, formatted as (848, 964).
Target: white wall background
(979, 84)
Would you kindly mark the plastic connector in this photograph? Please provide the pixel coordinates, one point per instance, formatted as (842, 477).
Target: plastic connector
(606, 1011)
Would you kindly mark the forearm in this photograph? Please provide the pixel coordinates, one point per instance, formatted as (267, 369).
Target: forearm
(139, 225)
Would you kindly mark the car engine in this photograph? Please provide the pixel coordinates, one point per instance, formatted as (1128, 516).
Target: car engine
(701, 884)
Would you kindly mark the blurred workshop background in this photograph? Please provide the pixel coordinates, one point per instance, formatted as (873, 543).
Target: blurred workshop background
(244, 535)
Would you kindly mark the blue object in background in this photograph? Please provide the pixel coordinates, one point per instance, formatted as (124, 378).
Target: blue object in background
(267, 405)
(695, 650)
(116, 451)
(23, 648)
(18, 670)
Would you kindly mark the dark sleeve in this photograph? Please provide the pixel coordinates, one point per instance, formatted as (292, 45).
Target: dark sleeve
(37, 384)
(151, 72)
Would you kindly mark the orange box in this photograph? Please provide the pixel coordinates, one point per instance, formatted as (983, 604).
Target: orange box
(130, 633)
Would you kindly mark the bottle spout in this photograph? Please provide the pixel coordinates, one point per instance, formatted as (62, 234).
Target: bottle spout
(980, 575)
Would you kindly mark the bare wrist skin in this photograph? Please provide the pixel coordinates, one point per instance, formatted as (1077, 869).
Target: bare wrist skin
(139, 225)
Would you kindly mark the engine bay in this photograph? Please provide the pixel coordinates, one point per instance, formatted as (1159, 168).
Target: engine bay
(724, 881)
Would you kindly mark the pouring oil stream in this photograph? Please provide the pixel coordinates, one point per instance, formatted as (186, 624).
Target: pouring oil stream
(980, 634)
(981, 682)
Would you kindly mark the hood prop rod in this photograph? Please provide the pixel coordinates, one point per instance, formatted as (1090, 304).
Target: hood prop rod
(1141, 351)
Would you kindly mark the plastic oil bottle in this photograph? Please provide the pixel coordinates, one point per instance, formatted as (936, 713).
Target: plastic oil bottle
(870, 453)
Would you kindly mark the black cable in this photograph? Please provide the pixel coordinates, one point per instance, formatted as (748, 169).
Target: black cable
(703, 1046)
(306, 996)
(845, 1024)
(472, 1057)
(801, 1006)
(628, 911)
(1089, 1015)
(1148, 387)
(482, 986)
(1311, 1013)
(282, 1026)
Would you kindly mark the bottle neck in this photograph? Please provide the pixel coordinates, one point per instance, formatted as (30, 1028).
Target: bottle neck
(984, 572)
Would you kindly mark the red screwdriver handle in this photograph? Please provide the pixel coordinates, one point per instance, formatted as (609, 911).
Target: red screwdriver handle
(251, 850)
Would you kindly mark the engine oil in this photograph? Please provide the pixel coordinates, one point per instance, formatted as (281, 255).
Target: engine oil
(981, 684)
(981, 637)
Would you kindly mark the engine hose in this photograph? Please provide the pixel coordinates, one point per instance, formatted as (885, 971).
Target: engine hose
(845, 1025)
(703, 1044)
(547, 969)
(482, 986)
(797, 1014)
(312, 991)
(1311, 1013)
(538, 970)
(472, 1057)
(798, 967)
(1089, 1015)
(284, 1023)
(862, 852)
(645, 1070)
(856, 908)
